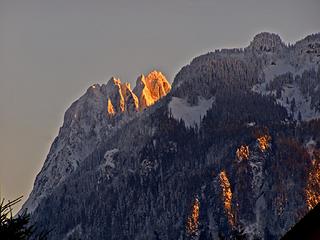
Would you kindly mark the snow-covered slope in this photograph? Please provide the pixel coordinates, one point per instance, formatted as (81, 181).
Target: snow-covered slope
(191, 115)
(287, 74)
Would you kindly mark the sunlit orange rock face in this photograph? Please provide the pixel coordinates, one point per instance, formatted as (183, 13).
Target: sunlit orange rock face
(148, 91)
(313, 183)
(121, 97)
(243, 152)
(111, 110)
(227, 196)
(151, 88)
(264, 142)
(193, 219)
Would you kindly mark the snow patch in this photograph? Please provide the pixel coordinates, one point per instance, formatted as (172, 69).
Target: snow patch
(257, 180)
(108, 156)
(311, 142)
(251, 124)
(289, 91)
(74, 233)
(302, 103)
(281, 67)
(311, 145)
(250, 231)
(191, 115)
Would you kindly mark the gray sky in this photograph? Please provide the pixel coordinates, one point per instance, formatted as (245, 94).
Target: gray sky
(52, 50)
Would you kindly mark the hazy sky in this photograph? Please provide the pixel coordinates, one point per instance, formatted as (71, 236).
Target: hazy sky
(52, 50)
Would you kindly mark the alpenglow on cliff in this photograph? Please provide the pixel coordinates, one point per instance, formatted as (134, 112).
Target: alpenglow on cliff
(231, 150)
(88, 121)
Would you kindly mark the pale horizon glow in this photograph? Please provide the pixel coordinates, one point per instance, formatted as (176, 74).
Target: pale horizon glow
(52, 51)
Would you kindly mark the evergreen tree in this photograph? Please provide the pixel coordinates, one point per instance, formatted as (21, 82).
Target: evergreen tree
(16, 228)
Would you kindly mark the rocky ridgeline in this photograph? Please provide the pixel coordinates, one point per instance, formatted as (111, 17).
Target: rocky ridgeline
(148, 90)
(90, 119)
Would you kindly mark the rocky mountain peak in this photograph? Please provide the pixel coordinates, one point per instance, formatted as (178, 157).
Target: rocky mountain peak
(267, 42)
(151, 88)
(308, 49)
(86, 123)
(121, 98)
(148, 90)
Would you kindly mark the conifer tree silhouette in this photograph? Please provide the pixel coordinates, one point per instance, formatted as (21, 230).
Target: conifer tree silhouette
(18, 227)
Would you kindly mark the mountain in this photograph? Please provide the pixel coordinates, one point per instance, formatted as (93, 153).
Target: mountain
(231, 151)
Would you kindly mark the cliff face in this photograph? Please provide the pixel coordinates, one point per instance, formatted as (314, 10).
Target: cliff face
(231, 151)
(151, 88)
(121, 98)
(89, 120)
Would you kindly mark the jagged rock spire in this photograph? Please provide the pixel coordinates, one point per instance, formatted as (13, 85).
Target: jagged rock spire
(148, 90)
(151, 88)
(121, 98)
